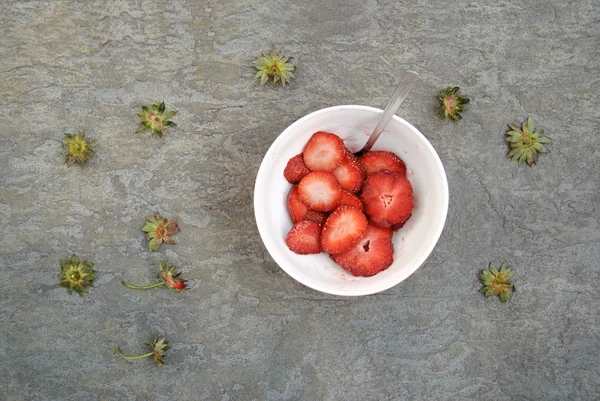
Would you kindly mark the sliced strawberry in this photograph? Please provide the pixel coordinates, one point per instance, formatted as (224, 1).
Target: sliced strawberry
(317, 217)
(319, 191)
(295, 169)
(342, 229)
(398, 226)
(297, 209)
(387, 198)
(384, 223)
(377, 160)
(351, 173)
(304, 238)
(324, 152)
(348, 199)
(372, 253)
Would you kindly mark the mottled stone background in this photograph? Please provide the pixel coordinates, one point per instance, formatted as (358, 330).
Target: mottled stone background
(247, 331)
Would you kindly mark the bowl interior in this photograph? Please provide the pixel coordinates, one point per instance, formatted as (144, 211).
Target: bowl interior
(412, 244)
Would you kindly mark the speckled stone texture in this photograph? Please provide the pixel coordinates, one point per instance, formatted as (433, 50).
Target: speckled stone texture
(246, 330)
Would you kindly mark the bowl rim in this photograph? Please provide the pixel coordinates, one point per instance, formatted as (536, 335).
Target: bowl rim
(259, 196)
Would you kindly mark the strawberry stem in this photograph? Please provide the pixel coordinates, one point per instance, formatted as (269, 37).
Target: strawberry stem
(145, 287)
(131, 358)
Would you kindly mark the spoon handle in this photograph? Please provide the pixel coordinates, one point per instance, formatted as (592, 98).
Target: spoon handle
(408, 80)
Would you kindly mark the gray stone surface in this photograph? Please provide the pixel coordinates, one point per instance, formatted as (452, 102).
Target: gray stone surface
(247, 331)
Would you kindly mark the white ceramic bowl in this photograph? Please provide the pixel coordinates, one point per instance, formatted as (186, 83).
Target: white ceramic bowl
(412, 244)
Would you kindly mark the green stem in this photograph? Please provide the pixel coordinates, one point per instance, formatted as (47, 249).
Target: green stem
(131, 358)
(145, 287)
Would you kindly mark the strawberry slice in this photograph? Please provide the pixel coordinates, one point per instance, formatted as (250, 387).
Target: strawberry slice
(387, 198)
(324, 152)
(373, 253)
(297, 209)
(348, 199)
(304, 238)
(319, 191)
(398, 226)
(295, 169)
(377, 160)
(317, 217)
(351, 173)
(299, 212)
(385, 223)
(342, 229)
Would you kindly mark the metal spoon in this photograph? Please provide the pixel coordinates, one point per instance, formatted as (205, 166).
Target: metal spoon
(408, 80)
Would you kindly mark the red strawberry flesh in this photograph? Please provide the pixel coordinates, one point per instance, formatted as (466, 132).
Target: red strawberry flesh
(398, 226)
(348, 199)
(299, 212)
(304, 238)
(387, 198)
(342, 229)
(373, 253)
(296, 208)
(329, 215)
(319, 191)
(324, 152)
(377, 160)
(350, 173)
(317, 217)
(295, 169)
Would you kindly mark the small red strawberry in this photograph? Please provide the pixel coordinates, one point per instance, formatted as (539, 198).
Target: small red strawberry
(324, 152)
(387, 198)
(372, 253)
(317, 217)
(348, 199)
(342, 229)
(295, 206)
(295, 169)
(377, 160)
(168, 277)
(304, 238)
(351, 173)
(319, 191)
